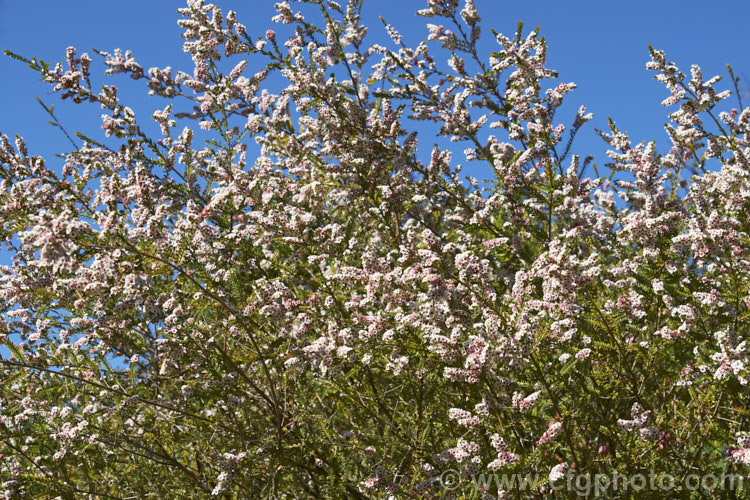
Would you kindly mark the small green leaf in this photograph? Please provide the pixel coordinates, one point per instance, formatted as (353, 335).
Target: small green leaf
(16, 351)
(17, 57)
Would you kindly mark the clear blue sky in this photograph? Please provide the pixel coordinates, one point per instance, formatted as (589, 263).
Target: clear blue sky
(602, 46)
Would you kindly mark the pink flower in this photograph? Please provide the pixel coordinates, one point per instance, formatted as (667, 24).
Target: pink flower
(558, 472)
(550, 434)
(371, 483)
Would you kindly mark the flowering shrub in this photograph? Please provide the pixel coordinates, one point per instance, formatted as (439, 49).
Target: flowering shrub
(342, 314)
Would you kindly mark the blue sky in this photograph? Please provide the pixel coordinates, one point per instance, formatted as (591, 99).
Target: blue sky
(602, 46)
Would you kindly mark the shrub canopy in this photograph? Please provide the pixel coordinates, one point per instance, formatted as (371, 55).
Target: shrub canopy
(342, 314)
